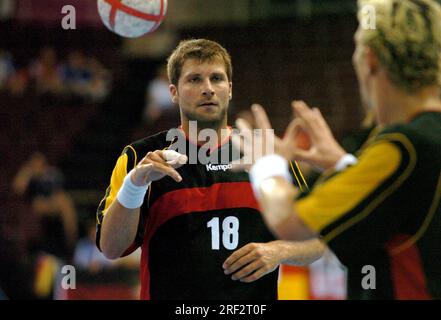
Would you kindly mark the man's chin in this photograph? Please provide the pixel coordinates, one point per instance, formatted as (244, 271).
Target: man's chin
(209, 117)
(207, 120)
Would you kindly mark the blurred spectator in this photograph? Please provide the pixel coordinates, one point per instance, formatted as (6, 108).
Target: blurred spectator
(76, 74)
(18, 82)
(85, 77)
(158, 99)
(6, 68)
(87, 256)
(100, 83)
(46, 73)
(42, 185)
(100, 278)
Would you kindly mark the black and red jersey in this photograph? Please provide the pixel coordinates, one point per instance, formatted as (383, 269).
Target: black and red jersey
(188, 229)
(382, 216)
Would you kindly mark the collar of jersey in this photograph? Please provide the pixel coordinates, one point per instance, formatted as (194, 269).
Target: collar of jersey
(224, 141)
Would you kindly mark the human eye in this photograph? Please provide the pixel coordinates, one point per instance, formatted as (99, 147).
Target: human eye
(194, 79)
(217, 78)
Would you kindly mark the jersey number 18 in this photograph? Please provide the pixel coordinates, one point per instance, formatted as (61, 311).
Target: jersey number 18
(230, 233)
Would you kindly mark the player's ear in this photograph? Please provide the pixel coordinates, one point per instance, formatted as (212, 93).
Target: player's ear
(231, 91)
(174, 93)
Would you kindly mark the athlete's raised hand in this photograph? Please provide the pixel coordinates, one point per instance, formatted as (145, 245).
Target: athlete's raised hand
(157, 164)
(323, 151)
(255, 142)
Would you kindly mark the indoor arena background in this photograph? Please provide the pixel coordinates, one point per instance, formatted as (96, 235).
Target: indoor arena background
(92, 100)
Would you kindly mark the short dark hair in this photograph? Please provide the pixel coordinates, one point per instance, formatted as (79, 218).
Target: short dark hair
(199, 49)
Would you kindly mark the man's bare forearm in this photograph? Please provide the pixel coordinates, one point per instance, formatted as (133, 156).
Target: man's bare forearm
(118, 229)
(119, 226)
(301, 253)
(277, 197)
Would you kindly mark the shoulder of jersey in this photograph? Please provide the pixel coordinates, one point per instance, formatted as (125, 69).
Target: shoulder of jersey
(154, 142)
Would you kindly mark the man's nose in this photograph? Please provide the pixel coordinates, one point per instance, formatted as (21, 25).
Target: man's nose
(207, 89)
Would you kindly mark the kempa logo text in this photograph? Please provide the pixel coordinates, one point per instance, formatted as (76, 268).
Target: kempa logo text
(218, 167)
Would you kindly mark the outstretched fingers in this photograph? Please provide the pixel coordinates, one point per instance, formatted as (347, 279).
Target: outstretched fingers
(262, 121)
(159, 165)
(311, 122)
(167, 170)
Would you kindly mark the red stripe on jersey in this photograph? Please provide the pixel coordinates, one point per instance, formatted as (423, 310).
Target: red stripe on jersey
(219, 196)
(216, 197)
(407, 271)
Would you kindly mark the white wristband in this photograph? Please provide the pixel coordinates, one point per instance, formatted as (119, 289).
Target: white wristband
(267, 167)
(131, 196)
(345, 161)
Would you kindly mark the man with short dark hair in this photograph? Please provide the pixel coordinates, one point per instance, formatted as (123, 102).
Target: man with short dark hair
(197, 222)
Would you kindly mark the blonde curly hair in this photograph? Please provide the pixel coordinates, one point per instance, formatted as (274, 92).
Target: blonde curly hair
(407, 40)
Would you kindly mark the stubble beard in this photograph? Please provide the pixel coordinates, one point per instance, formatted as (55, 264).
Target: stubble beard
(206, 122)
